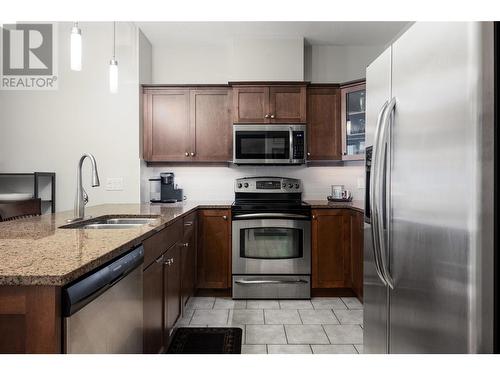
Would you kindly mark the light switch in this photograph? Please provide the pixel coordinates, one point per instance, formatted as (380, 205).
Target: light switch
(114, 183)
(361, 183)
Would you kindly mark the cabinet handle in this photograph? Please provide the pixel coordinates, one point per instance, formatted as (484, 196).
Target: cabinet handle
(314, 217)
(193, 154)
(272, 116)
(187, 154)
(185, 244)
(169, 262)
(308, 154)
(188, 224)
(224, 217)
(267, 116)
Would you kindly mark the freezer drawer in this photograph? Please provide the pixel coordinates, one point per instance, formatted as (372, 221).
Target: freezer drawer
(271, 287)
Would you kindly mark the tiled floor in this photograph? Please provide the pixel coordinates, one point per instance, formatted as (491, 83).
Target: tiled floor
(319, 326)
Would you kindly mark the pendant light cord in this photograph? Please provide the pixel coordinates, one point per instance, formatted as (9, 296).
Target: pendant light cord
(114, 40)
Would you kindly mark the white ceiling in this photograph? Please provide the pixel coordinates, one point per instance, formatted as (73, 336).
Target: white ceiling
(315, 33)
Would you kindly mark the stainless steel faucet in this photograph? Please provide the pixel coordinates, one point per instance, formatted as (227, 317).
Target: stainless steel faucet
(82, 198)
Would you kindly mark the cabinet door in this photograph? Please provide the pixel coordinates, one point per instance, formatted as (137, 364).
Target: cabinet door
(172, 280)
(331, 253)
(353, 106)
(287, 104)
(324, 136)
(166, 125)
(214, 249)
(357, 223)
(153, 308)
(188, 258)
(251, 104)
(211, 124)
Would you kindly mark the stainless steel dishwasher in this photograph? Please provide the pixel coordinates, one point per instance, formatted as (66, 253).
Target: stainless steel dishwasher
(102, 311)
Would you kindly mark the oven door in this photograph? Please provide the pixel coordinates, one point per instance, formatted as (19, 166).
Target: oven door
(261, 144)
(272, 246)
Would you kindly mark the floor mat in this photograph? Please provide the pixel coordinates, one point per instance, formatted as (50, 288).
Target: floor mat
(209, 340)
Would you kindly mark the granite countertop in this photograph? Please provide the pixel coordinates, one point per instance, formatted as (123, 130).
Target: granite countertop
(354, 205)
(35, 251)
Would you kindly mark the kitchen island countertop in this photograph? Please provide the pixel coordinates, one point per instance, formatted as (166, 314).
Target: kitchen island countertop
(35, 251)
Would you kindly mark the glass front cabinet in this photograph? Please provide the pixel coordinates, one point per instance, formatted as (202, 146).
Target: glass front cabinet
(353, 105)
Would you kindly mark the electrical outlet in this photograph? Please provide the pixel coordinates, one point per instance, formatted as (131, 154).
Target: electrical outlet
(114, 183)
(361, 183)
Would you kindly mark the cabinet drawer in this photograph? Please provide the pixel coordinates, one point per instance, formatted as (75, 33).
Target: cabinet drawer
(157, 244)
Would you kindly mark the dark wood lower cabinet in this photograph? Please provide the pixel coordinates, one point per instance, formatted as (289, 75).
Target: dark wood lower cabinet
(162, 287)
(153, 340)
(357, 245)
(172, 288)
(30, 320)
(188, 258)
(214, 249)
(337, 250)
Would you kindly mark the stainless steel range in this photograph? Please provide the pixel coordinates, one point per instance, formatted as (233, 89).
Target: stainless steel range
(271, 239)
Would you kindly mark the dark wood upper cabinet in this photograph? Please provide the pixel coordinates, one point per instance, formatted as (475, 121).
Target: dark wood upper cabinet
(187, 125)
(287, 104)
(331, 250)
(269, 104)
(324, 135)
(251, 104)
(166, 125)
(214, 249)
(353, 105)
(210, 120)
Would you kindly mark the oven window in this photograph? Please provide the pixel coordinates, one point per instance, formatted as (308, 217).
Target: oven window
(262, 144)
(271, 243)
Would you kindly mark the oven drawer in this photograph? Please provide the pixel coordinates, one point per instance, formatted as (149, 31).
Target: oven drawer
(271, 287)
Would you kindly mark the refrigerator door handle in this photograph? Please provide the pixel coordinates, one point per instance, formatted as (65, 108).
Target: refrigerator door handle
(373, 194)
(381, 171)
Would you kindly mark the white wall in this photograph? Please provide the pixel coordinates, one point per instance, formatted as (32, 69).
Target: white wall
(267, 59)
(181, 63)
(242, 59)
(217, 183)
(337, 64)
(49, 130)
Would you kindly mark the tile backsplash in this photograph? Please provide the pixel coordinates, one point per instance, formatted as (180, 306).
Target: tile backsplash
(217, 182)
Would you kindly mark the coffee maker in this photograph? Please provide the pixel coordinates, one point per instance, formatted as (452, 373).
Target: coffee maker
(164, 190)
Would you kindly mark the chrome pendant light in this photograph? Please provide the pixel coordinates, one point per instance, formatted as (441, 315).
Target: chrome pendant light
(113, 66)
(76, 48)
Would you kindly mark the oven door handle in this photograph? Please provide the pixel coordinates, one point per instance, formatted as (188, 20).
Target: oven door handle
(270, 215)
(253, 282)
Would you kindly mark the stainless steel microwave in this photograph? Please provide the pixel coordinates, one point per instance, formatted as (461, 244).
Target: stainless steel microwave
(269, 144)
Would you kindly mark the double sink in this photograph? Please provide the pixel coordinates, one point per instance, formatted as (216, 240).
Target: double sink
(114, 222)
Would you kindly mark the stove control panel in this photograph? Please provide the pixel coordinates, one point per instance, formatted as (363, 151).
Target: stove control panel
(267, 185)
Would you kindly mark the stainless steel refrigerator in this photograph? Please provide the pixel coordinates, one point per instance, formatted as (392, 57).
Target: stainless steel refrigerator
(429, 223)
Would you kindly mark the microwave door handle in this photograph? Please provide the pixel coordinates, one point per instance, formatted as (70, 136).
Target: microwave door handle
(290, 149)
(373, 195)
(383, 167)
